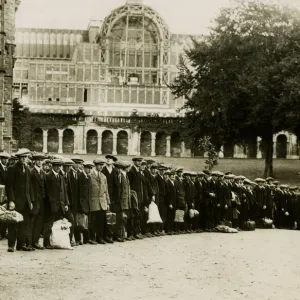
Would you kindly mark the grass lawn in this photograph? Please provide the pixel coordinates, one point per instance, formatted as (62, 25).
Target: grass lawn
(285, 171)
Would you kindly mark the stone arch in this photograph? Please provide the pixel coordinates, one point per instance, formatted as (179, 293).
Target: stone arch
(92, 141)
(161, 143)
(281, 146)
(52, 143)
(37, 140)
(107, 142)
(68, 141)
(145, 147)
(122, 142)
(228, 150)
(175, 144)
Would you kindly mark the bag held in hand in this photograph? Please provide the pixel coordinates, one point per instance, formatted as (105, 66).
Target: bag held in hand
(82, 221)
(10, 216)
(153, 214)
(111, 218)
(179, 216)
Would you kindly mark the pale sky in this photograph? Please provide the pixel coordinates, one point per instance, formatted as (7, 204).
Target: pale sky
(182, 16)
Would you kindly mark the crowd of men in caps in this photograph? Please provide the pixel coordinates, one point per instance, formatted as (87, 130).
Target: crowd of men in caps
(45, 190)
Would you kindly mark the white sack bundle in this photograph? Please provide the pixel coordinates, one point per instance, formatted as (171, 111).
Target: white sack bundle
(153, 214)
(60, 238)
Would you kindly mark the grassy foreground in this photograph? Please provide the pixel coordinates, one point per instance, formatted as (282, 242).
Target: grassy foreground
(285, 171)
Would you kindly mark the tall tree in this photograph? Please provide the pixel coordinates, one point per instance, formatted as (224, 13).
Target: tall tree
(242, 80)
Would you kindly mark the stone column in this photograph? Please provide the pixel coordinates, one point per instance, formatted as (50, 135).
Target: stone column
(60, 141)
(153, 139)
(182, 153)
(274, 148)
(45, 141)
(168, 148)
(84, 142)
(99, 146)
(114, 146)
(258, 154)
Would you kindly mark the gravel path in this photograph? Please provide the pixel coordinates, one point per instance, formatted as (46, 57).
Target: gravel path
(259, 265)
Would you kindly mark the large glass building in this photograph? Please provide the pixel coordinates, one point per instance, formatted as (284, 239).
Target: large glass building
(115, 75)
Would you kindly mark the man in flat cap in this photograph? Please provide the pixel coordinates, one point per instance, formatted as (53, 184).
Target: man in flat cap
(57, 204)
(162, 191)
(18, 194)
(4, 156)
(136, 185)
(99, 204)
(112, 183)
(83, 205)
(170, 202)
(38, 198)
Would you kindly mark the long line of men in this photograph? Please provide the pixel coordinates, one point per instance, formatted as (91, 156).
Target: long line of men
(45, 190)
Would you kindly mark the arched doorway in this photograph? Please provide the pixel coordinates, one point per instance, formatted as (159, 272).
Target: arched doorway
(161, 143)
(52, 143)
(281, 146)
(228, 150)
(197, 151)
(68, 141)
(122, 143)
(175, 144)
(145, 147)
(107, 142)
(92, 142)
(37, 140)
(252, 148)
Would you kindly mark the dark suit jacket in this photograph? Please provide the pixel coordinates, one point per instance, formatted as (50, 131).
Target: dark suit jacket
(56, 192)
(18, 186)
(112, 184)
(162, 187)
(73, 190)
(171, 193)
(37, 191)
(3, 176)
(84, 183)
(136, 183)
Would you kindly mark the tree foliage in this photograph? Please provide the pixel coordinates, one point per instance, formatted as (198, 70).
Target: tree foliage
(242, 81)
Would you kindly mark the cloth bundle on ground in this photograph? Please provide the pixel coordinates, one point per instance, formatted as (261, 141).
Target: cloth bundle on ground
(9, 216)
(60, 238)
(267, 223)
(153, 214)
(193, 213)
(179, 216)
(111, 218)
(249, 225)
(82, 221)
(225, 229)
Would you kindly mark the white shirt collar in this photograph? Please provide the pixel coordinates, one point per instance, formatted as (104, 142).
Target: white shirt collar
(38, 168)
(56, 174)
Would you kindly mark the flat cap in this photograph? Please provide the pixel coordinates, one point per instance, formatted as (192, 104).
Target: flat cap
(228, 173)
(162, 167)
(150, 160)
(57, 157)
(4, 155)
(122, 164)
(193, 174)
(99, 161)
(276, 182)
(143, 163)
(23, 152)
(170, 173)
(247, 181)
(38, 156)
(154, 166)
(179, 169)
(259, 180)
(231, 176)
(68, 162)
(137, 158)
(13, 156)
(270, 179)
(88, 164)
(77, 160)
(57, 162)
(109, 156)
(214, 173)
(220, 174)
(200, 174)
(206, 172)
(185, 173)
(227, 176)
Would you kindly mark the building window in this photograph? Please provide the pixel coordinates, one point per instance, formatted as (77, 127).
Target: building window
(49, 99)
(85, 95)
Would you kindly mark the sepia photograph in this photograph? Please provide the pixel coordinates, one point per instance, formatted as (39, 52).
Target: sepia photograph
(150, 149)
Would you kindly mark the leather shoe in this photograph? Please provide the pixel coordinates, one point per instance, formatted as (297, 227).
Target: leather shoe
(92, 242)
(37, 246)
(120, 240)
(49, 247)
(102, 242)
(109, 241)
(10, 249)
(25, 248)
